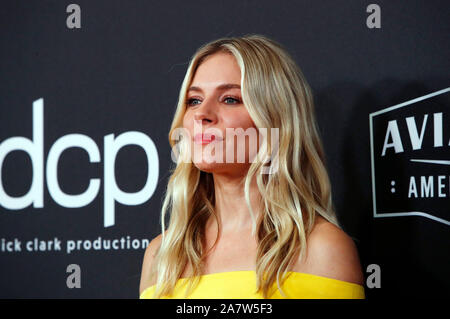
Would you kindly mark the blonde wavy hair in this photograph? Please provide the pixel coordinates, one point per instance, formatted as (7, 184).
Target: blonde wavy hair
(276, 95)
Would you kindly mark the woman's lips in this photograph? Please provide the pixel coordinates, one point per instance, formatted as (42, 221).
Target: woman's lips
(205, 138)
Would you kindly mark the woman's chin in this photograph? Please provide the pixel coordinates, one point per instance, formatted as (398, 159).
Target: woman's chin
(209, 167)
(223, 168)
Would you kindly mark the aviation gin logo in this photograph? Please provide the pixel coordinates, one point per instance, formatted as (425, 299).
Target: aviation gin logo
(410, 158)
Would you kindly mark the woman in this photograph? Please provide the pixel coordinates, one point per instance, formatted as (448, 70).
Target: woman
(263, 227)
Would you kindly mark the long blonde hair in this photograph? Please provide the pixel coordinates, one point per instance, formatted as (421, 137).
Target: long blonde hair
(276, 95)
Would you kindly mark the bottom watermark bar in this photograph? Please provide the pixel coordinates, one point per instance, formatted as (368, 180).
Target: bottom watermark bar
(241, 308)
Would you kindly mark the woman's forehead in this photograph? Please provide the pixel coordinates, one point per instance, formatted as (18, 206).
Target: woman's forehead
(219, 68)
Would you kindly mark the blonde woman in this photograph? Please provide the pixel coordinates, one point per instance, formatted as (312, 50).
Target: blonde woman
(249, 217)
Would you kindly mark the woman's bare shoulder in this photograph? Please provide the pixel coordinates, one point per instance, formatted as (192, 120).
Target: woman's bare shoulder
(146, 279)
(331, 253)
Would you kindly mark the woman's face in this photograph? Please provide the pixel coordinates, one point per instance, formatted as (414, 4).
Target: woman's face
(213, 105)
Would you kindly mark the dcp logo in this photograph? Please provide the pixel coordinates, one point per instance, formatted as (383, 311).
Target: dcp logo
(111, 192)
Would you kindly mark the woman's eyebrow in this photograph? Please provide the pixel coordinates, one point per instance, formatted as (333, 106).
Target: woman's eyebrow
(225, 86)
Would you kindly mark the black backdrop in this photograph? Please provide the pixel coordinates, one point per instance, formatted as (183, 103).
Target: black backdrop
(121, 72)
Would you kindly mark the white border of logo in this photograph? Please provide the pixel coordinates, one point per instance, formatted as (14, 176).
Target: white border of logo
(371, 116)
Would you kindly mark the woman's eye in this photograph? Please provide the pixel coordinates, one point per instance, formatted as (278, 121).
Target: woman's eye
(194, 101)
(236, 101)
(191, 101)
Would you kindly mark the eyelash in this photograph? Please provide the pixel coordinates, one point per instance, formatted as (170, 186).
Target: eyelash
(189, 101)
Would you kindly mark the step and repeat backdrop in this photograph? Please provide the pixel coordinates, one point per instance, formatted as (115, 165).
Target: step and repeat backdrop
(88, 90)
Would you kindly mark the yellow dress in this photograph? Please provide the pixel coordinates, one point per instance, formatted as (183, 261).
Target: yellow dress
(242, 285)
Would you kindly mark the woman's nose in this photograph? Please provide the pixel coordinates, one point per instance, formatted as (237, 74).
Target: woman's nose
(205, 112)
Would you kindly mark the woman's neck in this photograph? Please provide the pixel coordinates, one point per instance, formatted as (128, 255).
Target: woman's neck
(230, 205)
